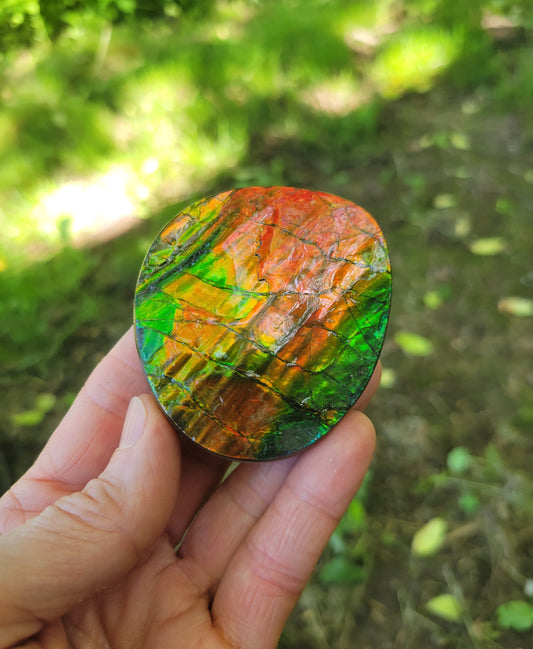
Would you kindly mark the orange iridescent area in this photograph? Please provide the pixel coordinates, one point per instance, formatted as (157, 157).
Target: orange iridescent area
(260, 314)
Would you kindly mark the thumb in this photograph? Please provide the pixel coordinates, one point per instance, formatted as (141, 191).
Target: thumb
(91, 539)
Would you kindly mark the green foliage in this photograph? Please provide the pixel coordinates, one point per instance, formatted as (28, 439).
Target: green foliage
(459, 460)
(39, 310)
(199, 82)
(17, 23)
(348, 565)
(72, 135)
(354, 519)
(517, 88)
(413, 59)
(342, 571)
(516, 615)
(43, 404)
(24, 22)
(468, 503)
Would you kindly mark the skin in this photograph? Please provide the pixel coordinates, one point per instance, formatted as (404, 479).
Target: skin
(88, 534)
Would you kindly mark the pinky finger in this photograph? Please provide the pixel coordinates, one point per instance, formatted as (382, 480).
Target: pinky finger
(268, 572)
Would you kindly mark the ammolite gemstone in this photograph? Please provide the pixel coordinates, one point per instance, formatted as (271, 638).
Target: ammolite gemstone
(260, 315)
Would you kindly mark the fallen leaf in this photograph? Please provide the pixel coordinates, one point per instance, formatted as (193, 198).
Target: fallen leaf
(414, 344)
(445, 606)
(516, 615)
(487, 247)
(429, 539)
(518, 306)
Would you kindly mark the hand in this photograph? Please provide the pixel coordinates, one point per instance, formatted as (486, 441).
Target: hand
(87, 552)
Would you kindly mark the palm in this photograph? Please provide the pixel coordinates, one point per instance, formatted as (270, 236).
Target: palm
(172, 612)
(250, 544)
(178, 595)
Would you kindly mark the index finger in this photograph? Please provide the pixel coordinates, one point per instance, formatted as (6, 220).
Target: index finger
(85, 439)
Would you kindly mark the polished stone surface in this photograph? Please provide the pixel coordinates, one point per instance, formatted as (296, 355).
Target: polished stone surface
(260, 314)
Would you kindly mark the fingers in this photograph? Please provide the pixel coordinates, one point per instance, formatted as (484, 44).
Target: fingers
(84, 441)
(81, 446)
(264, 579)
(248, 484)
(225, 520)
(201, 474)
(235, 507)
(90, 539)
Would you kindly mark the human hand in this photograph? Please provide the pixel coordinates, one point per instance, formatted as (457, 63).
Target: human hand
(87, 551)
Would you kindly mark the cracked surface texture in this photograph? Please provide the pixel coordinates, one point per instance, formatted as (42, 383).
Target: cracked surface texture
(260, 314)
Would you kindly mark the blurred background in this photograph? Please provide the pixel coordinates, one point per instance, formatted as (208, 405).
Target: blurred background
(116, 113)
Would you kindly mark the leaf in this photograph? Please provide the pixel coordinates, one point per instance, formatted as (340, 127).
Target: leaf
(354, 520)
(127, 6)
(445, 201)
(518, 306)
(414, 344)
(27, 418)
(415, 181)
(432, 299)
(504, 206)
(429, 539)
(460, 141)
(459, 459)
(469, 503)
(336, 543)
(445, 606)
(516, 615)
(388, 378)
(341, 571)
(45, 402)
(463, 225)
(487, 247)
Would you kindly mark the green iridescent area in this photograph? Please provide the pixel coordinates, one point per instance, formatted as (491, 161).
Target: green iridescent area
(260, 315)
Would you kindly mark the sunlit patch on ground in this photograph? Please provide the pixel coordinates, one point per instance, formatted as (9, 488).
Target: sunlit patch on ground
(90, 210)
(337, 95)
(412, 60)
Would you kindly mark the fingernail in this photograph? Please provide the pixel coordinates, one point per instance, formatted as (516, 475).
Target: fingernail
(133, 424)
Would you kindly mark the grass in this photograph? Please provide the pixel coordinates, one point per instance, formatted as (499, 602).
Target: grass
(409, 108)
